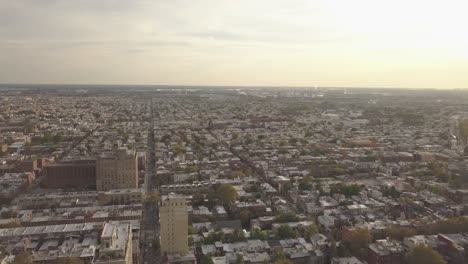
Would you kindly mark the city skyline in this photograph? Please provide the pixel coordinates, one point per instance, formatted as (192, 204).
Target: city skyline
(243, 43)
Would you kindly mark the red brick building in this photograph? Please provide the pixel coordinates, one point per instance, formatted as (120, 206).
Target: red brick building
(70, 174)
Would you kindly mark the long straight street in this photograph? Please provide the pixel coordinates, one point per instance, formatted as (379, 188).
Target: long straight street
(150, 223)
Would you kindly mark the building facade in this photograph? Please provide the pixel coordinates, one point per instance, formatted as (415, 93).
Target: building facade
(117, 170)
(71, 174)
(120, 196)
(116, 244)
(173, 219)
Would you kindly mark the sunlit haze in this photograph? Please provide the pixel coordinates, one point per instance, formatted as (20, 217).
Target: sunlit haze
(361, 43)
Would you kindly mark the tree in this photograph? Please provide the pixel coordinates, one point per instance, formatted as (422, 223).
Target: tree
(305, 184)
(227, 194)
(347, 190)
(343, 251)
(240, 258)
(153, 197)
(237, 174)
(285, 231)
(424, 254)
(259, 234)
(399, 233)
(310, 230)
(285, 217)
(11, 224)
(464, 128)
(245, 216)
(206, 260)
(178, 149)
(58, 138)
(280, 258)
(358, 241)
(214, 237)
(70, 260)
(451, 225)
(156, 244)
(24, 258)
(237, 235)
(333, 249)
(392, 192)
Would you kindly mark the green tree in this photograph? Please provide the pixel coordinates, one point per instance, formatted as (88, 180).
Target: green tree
(305, 184)
(58, 138)
(343, 250)
(259, 234)
(399, 233)
(310, 230)
(333, 249)
(424, 254)
(245, 216)
(156, 244)
(451, 225)
(214, 237)
(286, 217)
(464, 128)
(280, 258)
(347, 190)
(206, 260)
(227, 194)
(237, 235)
(240, 258)
(285, 231)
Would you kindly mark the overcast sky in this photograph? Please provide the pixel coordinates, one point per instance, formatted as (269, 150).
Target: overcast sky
(376, 43)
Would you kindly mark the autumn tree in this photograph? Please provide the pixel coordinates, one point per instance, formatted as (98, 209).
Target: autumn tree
(11, 224)
(237, 174)
(227, 193)
(153, 197)
(24, 258)
(70, 260)
(358, 241)
(424, 254)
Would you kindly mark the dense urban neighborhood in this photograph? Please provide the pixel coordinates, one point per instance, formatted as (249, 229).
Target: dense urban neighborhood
(168, 174)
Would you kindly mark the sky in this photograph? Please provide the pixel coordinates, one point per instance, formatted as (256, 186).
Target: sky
(338, 43)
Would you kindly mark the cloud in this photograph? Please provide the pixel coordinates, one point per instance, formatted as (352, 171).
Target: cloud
(217, 41)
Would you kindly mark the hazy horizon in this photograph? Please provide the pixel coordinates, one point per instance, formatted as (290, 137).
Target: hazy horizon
(298, 43)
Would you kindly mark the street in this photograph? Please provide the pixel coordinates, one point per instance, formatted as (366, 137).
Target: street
(149, 240)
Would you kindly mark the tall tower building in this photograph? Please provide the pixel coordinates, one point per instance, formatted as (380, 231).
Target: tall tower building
(173, 218)
(117, 170)
(116, 248)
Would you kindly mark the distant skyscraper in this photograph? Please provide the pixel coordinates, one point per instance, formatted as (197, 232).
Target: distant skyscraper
(173, 219)
(117, 170)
